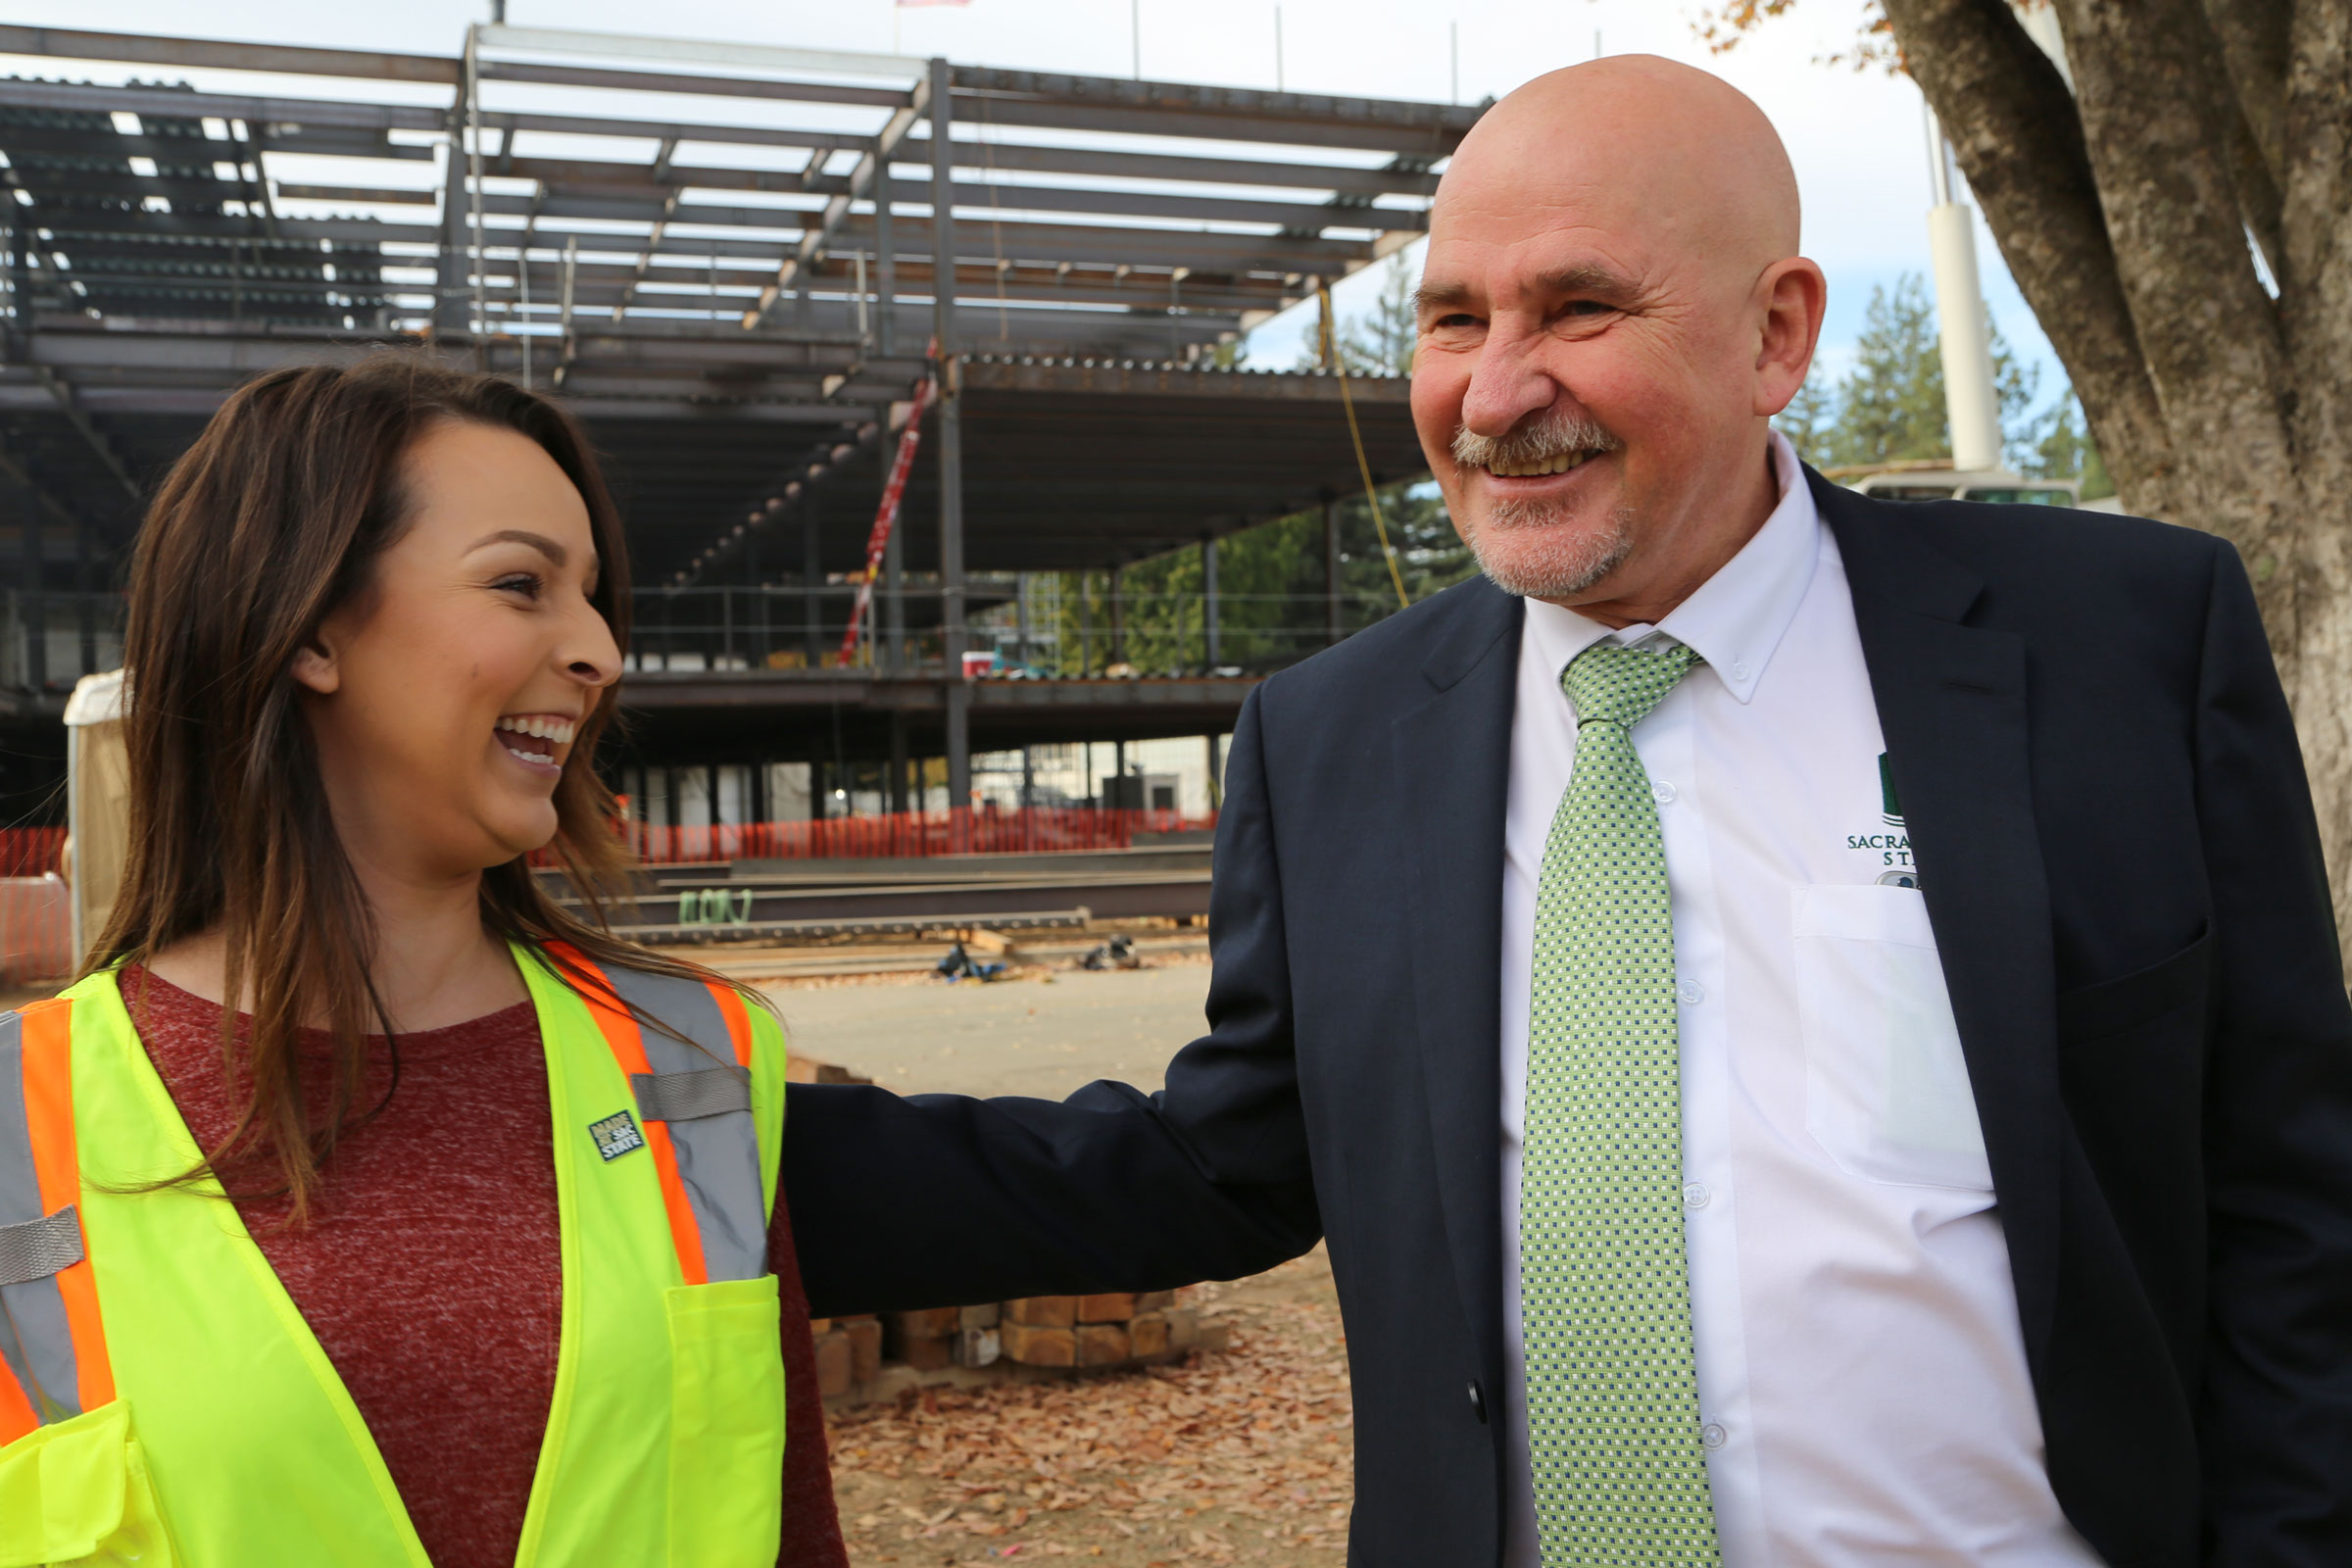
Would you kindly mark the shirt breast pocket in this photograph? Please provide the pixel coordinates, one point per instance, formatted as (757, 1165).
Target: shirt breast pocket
(1887, 1090)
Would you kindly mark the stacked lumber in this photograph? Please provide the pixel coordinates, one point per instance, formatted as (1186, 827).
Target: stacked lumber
(874, 1356)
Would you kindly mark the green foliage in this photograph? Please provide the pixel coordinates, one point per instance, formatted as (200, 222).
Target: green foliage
(1889, 406)
(1382, 342)
(2063, 450)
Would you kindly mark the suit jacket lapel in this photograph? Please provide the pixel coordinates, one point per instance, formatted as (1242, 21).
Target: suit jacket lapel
(1453, 769)
(1952, 705)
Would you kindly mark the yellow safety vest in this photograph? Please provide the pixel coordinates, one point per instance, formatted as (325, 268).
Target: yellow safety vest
(163, 1404)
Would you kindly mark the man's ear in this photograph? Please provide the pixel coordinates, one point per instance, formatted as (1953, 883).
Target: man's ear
(315, 666)
(1793, 297)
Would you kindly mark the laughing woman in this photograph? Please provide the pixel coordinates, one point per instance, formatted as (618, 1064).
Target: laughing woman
(450, 1242)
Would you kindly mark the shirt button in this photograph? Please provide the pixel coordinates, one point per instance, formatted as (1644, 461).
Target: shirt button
(1740, 669)
(1712, 1435)
(1662, 792)
(1692, 991)
(1696, 1196)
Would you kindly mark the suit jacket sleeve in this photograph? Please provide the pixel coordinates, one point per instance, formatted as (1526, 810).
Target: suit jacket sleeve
(2276, 1402)
(935, 1199)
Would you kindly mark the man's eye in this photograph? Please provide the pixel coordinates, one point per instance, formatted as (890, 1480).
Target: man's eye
(1457, 318)
(1586, 307)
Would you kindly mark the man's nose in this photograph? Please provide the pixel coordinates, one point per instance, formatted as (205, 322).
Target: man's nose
(1507, 381)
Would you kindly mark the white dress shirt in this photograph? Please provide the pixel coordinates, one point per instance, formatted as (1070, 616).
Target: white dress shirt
(1861, 1372)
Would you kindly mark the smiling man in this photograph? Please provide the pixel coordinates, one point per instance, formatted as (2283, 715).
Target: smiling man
(1812, 1027)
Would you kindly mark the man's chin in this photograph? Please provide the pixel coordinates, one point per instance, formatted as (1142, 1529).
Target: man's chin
(1560, 560)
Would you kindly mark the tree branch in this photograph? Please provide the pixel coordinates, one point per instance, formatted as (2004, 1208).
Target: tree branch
(2253, 39)
(2250, 36)
(2014, 127)
(2156, 112)
(2315, 285)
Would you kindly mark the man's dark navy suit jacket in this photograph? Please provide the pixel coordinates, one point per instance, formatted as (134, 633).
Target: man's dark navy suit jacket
(2117, 846)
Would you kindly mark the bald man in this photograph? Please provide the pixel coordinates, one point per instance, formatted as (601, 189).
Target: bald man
(1812, 1027)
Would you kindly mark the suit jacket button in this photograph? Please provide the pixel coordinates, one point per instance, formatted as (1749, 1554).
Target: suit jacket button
(1477, 1403)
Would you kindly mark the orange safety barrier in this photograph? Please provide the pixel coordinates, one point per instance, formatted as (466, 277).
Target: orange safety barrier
(900, 835)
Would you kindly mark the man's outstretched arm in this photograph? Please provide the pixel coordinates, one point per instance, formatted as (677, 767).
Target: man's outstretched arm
(935, 1199)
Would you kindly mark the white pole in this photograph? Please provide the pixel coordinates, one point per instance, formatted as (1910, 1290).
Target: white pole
(1971, 398)
(1278, 88)
(1135, 34)
(1454, 51)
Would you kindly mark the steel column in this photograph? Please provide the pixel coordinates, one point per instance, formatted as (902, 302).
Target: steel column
(886, 258)
(1209, 649)
(898, 762)
(1118, 615)
(813, 578)
(1331, 569)
(951, 443)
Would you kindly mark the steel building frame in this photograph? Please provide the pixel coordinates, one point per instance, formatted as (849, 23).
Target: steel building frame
(728, 259)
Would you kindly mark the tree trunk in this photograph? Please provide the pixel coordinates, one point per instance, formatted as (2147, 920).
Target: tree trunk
(2124, 214)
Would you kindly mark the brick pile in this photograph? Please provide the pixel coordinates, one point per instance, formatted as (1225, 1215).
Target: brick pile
(876, 1356)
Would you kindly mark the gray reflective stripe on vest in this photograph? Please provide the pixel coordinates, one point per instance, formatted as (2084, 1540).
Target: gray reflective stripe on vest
(719, 1149)
(34, 1339)
(687, 1096)
(40, 1248)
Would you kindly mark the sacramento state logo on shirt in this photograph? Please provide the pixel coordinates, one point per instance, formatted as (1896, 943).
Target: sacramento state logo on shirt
(1889, 844)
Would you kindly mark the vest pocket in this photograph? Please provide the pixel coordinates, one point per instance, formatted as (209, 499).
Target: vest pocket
(726, 1424)
(77, 1494)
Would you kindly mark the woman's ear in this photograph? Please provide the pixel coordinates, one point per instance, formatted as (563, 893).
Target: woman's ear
(315, 666)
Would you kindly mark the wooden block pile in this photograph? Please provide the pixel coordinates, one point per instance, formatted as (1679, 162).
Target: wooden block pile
(871, 1356)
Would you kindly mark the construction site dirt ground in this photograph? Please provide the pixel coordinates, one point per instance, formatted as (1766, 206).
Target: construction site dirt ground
(1239, 1458)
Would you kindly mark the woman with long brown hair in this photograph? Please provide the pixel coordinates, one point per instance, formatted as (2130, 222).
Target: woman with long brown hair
(364, 1204)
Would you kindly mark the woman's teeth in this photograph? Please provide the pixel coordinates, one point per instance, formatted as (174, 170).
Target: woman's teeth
(556, 730)
(1528, 470)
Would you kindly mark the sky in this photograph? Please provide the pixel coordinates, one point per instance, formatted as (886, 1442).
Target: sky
(1858, 139)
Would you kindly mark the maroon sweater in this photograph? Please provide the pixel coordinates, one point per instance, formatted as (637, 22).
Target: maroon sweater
(432, 1275)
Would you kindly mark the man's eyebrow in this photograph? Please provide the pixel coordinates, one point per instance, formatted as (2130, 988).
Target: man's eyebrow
(1578, 278)
(1436, 296)
(1584, 278)
(540, 542)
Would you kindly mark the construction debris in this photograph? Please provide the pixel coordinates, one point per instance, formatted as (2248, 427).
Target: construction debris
(1237, 1459)
(861, 1359)
(1116, 954)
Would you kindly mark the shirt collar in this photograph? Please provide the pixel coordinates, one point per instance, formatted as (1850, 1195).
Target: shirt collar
(1735, 619)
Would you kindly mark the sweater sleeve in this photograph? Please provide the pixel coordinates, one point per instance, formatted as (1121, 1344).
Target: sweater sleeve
(812, 1536)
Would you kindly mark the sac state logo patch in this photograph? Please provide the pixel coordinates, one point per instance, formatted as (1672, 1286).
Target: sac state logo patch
(615, 1135)
(1889, 844)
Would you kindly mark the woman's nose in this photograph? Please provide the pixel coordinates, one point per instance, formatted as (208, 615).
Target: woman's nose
(590, 655)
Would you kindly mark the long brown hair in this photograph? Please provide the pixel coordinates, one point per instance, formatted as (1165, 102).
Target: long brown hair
(271, 522)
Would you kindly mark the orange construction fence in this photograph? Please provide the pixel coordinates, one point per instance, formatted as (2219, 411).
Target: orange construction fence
(1025, 830)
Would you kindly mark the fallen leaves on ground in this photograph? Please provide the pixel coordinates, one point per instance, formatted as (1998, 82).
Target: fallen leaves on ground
(1242, 1457)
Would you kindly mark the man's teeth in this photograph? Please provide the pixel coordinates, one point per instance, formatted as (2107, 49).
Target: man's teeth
(559, 730)
(1529, 470)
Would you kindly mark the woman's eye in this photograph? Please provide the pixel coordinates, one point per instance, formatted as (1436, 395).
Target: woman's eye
(523, 582)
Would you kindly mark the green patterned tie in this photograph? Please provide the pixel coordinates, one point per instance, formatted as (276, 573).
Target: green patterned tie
(1612, 1385)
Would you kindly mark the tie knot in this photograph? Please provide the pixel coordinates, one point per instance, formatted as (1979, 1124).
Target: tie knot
(1620, 685)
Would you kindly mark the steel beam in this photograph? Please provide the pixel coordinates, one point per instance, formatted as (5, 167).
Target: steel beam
(170, 103)
(1020, 157)
(211, 53)
(60, 392)
(1121, 119)
(806, 92)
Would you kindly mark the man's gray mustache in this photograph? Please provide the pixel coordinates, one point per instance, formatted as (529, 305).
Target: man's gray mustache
(1532, 443)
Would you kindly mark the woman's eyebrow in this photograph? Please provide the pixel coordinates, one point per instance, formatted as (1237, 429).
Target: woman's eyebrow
(540, 542)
